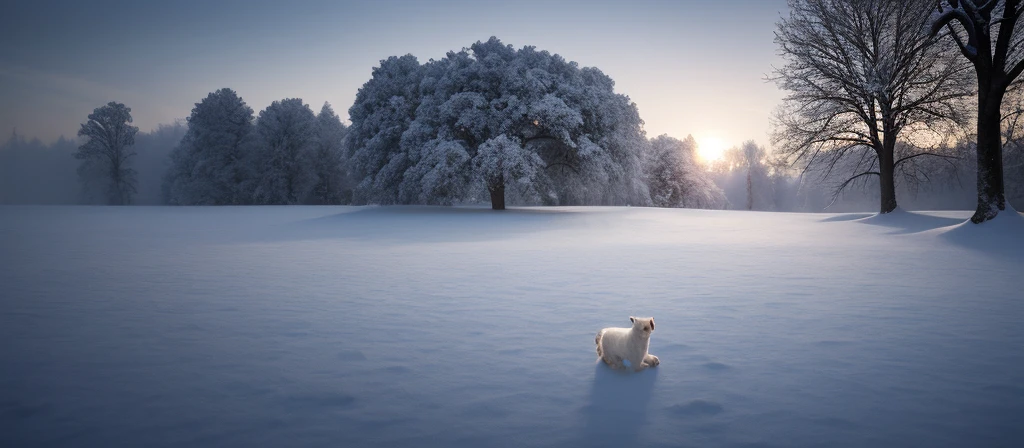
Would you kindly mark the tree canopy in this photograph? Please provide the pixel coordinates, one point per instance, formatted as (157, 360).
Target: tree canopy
(209, 166)
(283, 156)
(490, 119)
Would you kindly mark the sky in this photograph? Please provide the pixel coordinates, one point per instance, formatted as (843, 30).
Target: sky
(692, 67)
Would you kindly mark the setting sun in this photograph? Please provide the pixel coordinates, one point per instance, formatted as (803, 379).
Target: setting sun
(710, 148)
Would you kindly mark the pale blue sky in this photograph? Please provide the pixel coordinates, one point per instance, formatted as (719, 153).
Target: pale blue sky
(692, 67)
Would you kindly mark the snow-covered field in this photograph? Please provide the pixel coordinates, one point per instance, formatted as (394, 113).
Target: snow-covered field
(419, 326)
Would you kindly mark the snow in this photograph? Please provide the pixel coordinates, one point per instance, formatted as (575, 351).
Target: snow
(433, 326)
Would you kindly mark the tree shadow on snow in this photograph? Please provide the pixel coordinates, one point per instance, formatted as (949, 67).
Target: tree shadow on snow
(618, 406)
(847, 217)
(1003, 236)
(900, 221)
(425, 224)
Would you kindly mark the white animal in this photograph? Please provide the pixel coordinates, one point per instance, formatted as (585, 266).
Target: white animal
(614, 345)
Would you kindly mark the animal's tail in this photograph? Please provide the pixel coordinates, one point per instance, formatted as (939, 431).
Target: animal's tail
(597, 340)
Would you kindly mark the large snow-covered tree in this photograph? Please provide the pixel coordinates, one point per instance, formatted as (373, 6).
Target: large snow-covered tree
(332, 180)
(568, 135)
(989, 36)
(210, 166)
(283, 154)
(675, 177)
(860, 76)
(107, 152)
(473, 103)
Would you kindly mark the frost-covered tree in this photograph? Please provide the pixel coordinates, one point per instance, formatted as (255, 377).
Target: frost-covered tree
(579, 139)
(862, 75)
(332, 184)
(611, 146)
(989, 36)
(283, 156)
(676, 179)
(209, 167)
(383, 110)
(107, 152)
(474, 102)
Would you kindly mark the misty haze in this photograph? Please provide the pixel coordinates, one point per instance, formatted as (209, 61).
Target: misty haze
(406, 224)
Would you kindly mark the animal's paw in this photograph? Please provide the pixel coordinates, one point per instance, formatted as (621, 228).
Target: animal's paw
(651, 360)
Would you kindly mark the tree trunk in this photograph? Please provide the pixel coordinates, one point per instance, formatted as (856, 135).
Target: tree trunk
(991, 198)
(116, 194)
(497, 196)
(750, 190)
(887, 175)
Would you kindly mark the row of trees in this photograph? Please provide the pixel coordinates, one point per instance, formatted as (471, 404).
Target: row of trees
(876, 87)
(288, 155)
(484, 123)
(755, 179)
(222, 156)
(32, 172)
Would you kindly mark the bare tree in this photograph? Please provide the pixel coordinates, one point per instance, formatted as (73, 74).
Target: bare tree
(752, 160)
(861, 75)
(997, 63)
(107, 151)
(1013, 142)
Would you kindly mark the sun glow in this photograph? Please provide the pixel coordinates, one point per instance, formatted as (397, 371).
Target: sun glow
(710, 148)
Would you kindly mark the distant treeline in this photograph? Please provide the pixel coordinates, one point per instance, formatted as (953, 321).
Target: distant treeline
(487, 124)
(35, 173)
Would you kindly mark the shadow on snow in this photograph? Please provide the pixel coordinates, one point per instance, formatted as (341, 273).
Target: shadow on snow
(618, 407)
(426, 224)
(900, 221)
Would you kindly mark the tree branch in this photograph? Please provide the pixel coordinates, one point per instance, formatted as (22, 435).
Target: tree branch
(835, 195)
(562, 164)
(904, 159)
(971, 49)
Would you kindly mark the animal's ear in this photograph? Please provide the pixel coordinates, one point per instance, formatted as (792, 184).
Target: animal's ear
(632, 319)
(652, 324)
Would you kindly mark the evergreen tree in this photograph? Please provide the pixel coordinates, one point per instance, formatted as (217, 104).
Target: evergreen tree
(282, 163)
(210, 167)
(332, 185)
